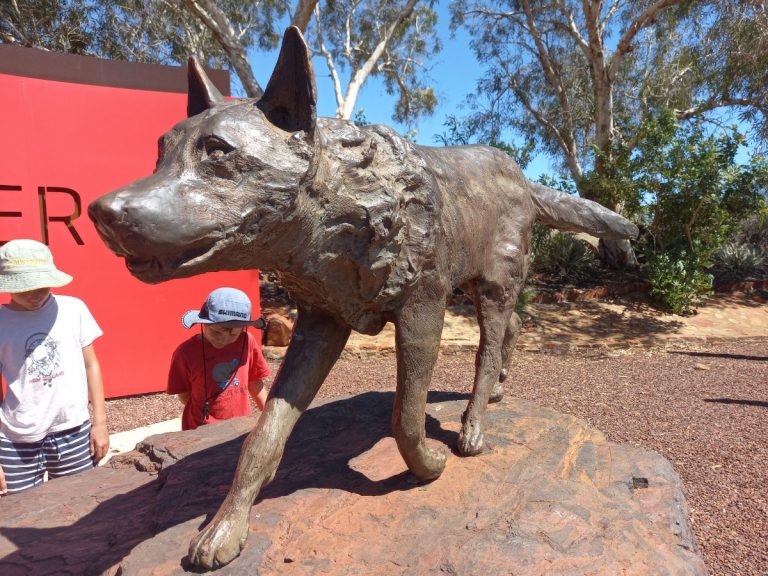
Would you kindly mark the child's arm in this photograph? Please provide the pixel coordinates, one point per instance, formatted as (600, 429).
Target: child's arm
(99, 433)
(3, 485)
(178, 377)
(258, 393)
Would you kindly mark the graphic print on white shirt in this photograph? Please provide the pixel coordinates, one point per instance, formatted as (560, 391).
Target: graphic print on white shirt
(43, 359)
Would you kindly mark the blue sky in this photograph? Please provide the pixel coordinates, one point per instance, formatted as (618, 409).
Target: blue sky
(454, 73)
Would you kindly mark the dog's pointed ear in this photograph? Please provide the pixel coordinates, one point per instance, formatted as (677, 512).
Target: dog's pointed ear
(290, 100)
(202, 94)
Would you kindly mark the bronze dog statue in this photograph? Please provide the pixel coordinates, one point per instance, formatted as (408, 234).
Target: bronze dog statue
(363, 228)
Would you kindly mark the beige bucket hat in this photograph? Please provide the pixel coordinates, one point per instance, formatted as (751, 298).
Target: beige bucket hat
(28, 265)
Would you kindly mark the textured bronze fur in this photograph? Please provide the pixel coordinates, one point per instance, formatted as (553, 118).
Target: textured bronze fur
(363, 228)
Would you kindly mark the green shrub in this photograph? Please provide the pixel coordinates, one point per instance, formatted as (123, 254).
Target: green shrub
(523, 299)
(735, 261)
(539, 236)
(563, 256)
(678, 283)
(754, 231)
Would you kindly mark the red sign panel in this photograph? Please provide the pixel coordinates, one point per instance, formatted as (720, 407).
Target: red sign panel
(64, 144)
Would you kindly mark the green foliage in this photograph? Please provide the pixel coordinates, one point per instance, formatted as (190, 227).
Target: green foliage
(48, 24)
(682, 183)
(563, 256)
(360, 119)
(694, 190)
(347, 33)
(613, 184)
(539, 237)
(736, 48)
(678, 283)
(735, 261)
(563, 184)
(154, 31)
(701, 59)
(465, 131)
(523, 299)
(753, 230)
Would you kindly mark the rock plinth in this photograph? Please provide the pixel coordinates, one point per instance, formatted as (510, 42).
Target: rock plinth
(278, 330)
(548, 496)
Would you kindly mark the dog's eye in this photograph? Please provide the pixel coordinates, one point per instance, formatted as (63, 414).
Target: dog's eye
(216, 148)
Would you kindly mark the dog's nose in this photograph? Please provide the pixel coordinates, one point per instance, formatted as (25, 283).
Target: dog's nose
(103, 214)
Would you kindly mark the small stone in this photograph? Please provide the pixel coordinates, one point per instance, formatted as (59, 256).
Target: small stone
(639, 483)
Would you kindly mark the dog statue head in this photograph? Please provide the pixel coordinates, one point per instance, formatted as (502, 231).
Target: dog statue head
(226, 178)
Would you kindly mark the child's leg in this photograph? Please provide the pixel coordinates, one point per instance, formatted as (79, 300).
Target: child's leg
(67, 452)
(23, 464)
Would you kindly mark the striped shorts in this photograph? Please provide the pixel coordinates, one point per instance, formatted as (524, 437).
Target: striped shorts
(60, 454)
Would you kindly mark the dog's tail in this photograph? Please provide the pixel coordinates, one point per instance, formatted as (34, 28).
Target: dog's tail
(573, 214)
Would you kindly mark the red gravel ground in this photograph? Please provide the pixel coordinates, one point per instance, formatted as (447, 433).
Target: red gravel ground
(705, 409)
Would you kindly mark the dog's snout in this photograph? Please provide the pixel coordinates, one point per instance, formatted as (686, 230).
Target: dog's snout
(103, 214)
(103, 211)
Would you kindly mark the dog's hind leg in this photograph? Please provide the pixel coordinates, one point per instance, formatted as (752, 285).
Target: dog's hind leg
(315, 345)
(510, 339)
(419, 326)
(495, 306)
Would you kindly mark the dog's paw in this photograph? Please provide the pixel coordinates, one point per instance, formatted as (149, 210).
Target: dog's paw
(220, 541)
(497, 393)
(470, 439)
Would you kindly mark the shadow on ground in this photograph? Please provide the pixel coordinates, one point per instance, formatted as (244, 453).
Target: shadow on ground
(325, 439)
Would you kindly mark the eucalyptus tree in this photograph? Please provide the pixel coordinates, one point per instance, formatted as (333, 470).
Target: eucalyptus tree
(734, 64)
(46, 24)
(580, 77)
(389, 39)
(357, 39)
(219, 33)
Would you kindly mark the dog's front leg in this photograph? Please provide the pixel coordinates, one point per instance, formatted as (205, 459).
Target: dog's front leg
(419, 326)
(315, 345)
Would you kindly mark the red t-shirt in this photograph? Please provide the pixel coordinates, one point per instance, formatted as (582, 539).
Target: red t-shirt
(186, 375)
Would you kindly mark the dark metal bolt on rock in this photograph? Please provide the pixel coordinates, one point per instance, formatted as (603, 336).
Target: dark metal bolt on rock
(362, 227)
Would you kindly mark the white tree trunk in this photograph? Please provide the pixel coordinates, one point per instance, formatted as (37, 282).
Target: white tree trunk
(218, 23)
(347, 101)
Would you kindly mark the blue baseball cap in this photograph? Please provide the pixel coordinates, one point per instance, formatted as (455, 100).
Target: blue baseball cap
(223, 306)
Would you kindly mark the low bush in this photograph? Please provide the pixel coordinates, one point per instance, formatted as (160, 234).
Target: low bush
(754, 231)
(523, 299)
(736, 261)
(564, 257)
(679, 283)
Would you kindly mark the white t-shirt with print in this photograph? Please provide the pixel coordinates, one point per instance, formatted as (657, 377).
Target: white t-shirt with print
(41, 359)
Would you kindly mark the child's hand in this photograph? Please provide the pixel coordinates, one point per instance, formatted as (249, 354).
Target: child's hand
(3, 484)
(99, 443)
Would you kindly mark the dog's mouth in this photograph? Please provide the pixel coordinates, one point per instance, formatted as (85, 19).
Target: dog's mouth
(158, 268)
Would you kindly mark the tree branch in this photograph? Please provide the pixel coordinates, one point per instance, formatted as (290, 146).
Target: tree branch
(566, 142)
(221, 28)
(303, 14)
(573, 30)
(325, 53)
(359, 77)
(712, 104)
(644, 20)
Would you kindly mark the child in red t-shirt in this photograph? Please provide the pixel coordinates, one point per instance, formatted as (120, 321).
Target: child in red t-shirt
(214, 372)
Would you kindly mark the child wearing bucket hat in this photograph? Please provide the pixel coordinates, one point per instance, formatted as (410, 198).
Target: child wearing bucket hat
(214, 372)
(50, 370)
